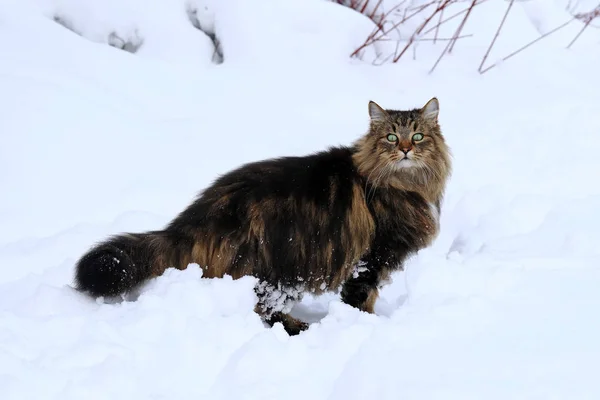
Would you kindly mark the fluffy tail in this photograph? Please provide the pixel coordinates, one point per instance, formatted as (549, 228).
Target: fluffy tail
(119, 264)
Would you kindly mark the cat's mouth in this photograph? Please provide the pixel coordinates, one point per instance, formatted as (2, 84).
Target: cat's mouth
(405, 163)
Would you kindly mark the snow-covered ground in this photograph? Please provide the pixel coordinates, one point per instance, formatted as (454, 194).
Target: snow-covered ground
(95, 140)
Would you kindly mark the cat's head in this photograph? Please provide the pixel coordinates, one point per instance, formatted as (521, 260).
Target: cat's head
(405, 144)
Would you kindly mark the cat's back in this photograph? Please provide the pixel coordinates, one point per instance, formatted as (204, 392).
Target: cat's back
(312, 175)
(323, 184)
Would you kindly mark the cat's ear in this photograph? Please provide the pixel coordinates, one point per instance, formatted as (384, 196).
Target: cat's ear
(377, 113)
(431, 110)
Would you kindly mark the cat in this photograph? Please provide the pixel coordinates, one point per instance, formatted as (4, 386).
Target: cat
(341, 218)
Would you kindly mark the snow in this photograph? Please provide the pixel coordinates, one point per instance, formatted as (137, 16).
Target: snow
(95, 140)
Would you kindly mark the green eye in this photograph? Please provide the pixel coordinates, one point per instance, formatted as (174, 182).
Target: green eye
(392, 138)
(417, 137)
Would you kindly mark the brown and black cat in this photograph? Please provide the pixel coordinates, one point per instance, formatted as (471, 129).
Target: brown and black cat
(345, 217)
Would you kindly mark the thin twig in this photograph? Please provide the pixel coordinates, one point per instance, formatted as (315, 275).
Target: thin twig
(450, 44)
(487, 53)
(418, 31)
(437, 27)
(372, 36)
(587, 18)
(372, 14)
(428, 39)
(579, 34)
(372, 39)
(440, 57)
(451, 18)
(381, 32)
(529, 44)
(362, 10)
(462, 24)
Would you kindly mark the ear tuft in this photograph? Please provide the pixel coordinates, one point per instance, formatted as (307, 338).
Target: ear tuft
(431, 109)
(377, 113)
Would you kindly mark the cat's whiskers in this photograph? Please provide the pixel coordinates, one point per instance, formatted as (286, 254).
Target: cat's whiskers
(367, 181)
(375, 181)
(384, 170)
(430, 172)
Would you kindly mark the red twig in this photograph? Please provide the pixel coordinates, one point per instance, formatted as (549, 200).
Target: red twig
(432, 39)
(372, 38)
(487, 53)
(587, 18)
(421, 28)
(437, 27)
(462, 25)
(374, 12)
(579, 34)
(381, 18)
(529, 44)
(362, 10)
(451, 18)
(450, 44)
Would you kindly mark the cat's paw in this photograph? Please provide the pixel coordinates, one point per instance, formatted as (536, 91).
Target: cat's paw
(294, 327)
(290, 324)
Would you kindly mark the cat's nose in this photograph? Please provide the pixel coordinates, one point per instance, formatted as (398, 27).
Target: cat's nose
(406, 149)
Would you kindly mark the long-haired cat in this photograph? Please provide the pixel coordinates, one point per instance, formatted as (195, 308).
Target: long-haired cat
(345, 217)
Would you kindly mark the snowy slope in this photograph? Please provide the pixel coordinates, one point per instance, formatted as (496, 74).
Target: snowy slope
(95, 140)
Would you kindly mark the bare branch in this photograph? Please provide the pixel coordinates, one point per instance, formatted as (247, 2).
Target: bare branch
(437, 27)
(388, 24)
(587, 18)
(451, 18)
(487, 53)
(450, 44)
(529, 44)
(462, 24)
(421, 28)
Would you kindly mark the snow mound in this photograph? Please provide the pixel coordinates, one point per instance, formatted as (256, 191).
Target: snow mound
(67, 334)
(163, 30)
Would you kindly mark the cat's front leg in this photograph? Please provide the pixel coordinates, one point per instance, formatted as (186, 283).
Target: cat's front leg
(274, 301)
(361, 290)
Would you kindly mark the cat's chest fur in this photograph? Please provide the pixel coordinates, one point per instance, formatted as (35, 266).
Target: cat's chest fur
(404, 220)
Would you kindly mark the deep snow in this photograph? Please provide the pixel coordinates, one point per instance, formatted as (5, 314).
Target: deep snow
(95, 140)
